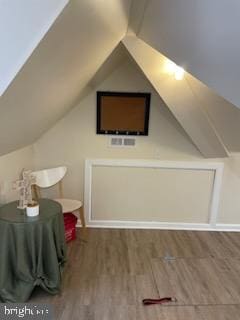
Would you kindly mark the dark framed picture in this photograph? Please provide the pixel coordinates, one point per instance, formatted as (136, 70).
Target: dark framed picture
(123, 113)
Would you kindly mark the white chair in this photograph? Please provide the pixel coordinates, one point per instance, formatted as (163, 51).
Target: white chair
(50, 177)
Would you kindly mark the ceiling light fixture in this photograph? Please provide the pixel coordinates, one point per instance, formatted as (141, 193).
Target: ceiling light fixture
(170, 67)
(179, 73)
(173, 69)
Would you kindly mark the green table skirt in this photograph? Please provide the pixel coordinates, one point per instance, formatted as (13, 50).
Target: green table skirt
(32, 252)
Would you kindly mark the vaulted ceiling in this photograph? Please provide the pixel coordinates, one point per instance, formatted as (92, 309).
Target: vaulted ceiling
(58, 71)
(64, 66)
(200, 35)
(22, 26)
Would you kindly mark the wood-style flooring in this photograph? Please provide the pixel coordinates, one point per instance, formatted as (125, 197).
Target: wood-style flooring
(107, 277)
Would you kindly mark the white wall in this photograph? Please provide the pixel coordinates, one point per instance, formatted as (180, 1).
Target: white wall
(73, 139)
(22, 26)
(151, 194)
(10, 169)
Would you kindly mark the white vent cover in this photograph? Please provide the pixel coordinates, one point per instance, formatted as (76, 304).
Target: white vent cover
(116, 141)
(130, 142)
(122, 142)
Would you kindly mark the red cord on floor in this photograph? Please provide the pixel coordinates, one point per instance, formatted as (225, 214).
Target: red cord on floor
(148, 302)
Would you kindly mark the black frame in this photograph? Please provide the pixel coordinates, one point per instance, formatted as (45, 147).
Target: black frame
(147, 96)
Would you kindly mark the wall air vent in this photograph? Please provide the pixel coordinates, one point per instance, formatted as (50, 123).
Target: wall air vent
(122, 142)
(116, 142)
(130, 142)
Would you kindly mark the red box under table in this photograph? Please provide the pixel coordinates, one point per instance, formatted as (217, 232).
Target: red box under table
(70, 221)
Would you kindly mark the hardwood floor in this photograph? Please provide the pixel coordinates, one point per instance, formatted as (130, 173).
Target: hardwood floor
(107, 277)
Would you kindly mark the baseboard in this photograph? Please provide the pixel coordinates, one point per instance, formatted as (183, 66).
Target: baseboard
(228, 227)
(161, 225)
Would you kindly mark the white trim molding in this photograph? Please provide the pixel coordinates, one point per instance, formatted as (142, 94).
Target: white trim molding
(217, 167)
(228, 227)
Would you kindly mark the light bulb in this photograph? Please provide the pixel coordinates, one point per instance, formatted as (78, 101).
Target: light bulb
(170, 67)
(179, 73)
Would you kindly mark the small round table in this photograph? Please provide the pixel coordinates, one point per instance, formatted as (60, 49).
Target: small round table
(32, 250)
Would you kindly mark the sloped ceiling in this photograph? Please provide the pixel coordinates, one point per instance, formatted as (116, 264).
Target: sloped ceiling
(200, 35)
(59, 70)
(22, 26)
(179, 98)
(223, 116)
(74, 57)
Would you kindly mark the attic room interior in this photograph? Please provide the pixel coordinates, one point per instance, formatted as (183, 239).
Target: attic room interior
(120, 159)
